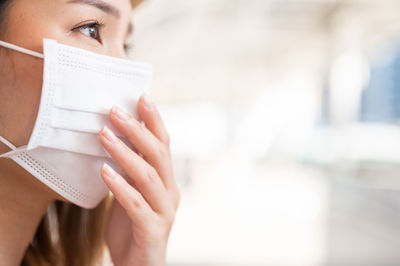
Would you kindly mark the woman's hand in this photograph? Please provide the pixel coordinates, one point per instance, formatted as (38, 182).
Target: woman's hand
(147, 198)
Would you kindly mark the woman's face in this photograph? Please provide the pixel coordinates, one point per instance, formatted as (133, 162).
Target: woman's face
(101, 26)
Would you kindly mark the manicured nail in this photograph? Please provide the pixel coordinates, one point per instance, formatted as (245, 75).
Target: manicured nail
(147, 103)
(122, 115)
(109, 135)
(108, 171)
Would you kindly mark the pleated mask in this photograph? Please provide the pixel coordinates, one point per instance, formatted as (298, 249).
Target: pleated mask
(78, 91)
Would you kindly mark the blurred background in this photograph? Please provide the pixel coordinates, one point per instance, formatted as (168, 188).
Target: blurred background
(284, 122)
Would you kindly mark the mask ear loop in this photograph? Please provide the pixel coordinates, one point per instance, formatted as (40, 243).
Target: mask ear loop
(7, 143)
(20, 49)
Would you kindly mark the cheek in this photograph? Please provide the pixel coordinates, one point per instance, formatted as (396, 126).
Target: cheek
(22, 74)
(29, 71)
(29, 23)
(29, 75)
(22, 87)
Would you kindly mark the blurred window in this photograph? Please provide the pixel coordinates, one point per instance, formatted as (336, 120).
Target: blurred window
(380, 100)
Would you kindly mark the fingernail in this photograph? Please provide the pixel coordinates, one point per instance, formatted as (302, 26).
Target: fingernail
(147, 103)
(109, 135)
(108, 171)
(119, 113)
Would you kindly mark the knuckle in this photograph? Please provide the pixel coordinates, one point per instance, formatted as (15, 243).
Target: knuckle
(167, 139)
(163, 151)
(127, 154)
(152, 174)
(135, 125)
(136, 201)
(169, 216)
(142, 125)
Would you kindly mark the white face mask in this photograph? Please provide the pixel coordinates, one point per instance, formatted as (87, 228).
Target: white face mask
(79, 88)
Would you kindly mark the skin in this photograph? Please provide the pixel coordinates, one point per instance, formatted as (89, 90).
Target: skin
(146, 198)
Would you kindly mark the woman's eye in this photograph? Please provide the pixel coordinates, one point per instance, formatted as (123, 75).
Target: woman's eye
(90, 30)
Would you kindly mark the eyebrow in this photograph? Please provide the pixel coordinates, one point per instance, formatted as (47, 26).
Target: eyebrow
(103, 6)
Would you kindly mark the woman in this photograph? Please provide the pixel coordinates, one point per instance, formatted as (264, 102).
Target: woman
(37, 225)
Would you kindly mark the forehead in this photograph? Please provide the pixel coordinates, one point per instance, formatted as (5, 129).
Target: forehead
(115, 7)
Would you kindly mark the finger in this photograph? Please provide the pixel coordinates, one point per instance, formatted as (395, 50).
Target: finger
(151, 117)
(154, 151)
(144, 177)
(130, 199)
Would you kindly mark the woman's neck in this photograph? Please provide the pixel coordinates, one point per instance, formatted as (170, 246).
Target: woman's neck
(23, 202)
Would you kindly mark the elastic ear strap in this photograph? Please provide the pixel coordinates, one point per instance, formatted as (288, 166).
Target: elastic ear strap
(7, 143)
(20, 49)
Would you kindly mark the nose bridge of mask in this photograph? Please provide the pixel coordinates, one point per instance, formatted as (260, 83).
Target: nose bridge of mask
(78, 88)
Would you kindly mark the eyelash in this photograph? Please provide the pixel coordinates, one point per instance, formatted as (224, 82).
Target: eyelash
(97, 25)
(91, 25)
